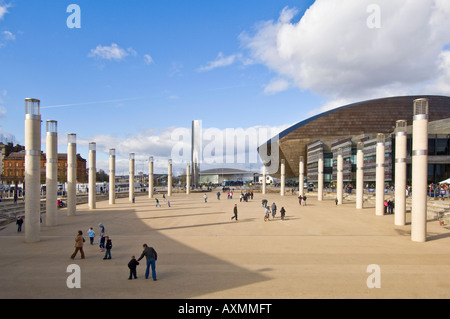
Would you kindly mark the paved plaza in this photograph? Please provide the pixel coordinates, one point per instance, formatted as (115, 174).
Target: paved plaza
(319, 251)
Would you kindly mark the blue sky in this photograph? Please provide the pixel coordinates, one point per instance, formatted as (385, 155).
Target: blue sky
(137, 68)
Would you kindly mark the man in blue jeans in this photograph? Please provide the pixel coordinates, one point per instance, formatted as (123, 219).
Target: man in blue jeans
(151, 256)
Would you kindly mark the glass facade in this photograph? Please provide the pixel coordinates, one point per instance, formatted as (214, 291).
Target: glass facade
(438, 159)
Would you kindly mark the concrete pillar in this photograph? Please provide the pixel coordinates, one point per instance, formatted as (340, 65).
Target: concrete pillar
(196, 149)
(379, 187)
(51, 173)
(131, 178)
(169, 178)
(283, 177)
(360, 175)
(419, 171)
(32, 170)
(150, 177)
(264, 180)
(71, 174)
(92, 176)
(112, 176)
(188, 179)
(340, 177)
(301, 178)
(400, 173)
(320, 178)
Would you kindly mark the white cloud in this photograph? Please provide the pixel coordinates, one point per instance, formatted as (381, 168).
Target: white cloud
(277, 85)
(3, 10)
(332, 52)
(221, 61)
(112, 52)
(441, 85)
(175, 143)
(148, 59)
(6, 36)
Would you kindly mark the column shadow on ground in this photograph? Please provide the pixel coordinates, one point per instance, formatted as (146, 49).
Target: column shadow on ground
(183, 271)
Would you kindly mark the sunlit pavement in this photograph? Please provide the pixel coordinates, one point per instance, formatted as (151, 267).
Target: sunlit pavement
(319, 251)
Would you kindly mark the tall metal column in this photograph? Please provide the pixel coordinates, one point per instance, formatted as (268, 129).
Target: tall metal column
(400, 173)
(379, 187)
(196, 148)
(169, 178)
(188, 179)
(264, 179)
(51, 173)
(320, 178)
(419, 171)
(92, 176)
(150, 177)
(32, 169)
(283, 177)
(112, 176)
(301, 177)
(131, 178)
(360, 176)
(340, 177)
(71, 174)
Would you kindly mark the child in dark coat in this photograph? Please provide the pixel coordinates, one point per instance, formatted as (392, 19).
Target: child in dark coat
(132, 265)
(101, 242)
(108, 247)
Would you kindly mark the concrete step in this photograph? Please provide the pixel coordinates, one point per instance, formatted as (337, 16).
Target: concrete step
(4, 221)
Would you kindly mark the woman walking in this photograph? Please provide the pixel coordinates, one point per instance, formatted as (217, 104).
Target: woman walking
(79, 240)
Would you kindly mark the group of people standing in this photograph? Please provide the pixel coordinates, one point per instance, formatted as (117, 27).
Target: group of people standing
(105, 244)
(302, 200)
(273, 209)
(388, 207)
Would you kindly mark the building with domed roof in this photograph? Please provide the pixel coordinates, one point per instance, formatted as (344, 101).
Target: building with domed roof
(345, 126)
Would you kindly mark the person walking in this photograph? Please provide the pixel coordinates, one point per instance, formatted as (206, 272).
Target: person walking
(132, 264)
(205, 197)
(235, 211)
(264, 203)
(274, 210)
(266, 214)
(79, 240)
(390, 207)
(151, 257)
(108, 248)
(102, 228)
(157, 202)
(19, 223)
(283, 213)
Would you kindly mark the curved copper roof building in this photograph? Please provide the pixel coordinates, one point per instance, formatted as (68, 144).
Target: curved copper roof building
(368, 117)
